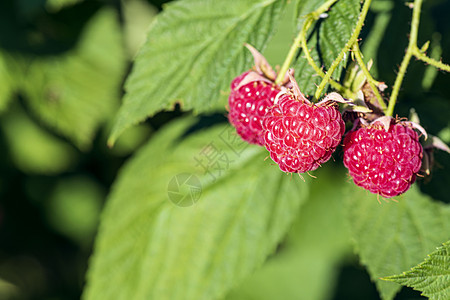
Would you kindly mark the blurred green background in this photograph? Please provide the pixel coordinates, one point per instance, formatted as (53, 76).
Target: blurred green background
(62, 68)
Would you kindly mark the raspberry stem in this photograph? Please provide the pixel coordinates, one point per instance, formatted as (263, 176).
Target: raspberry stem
(309, 21)
(315, 15)
(438, 64)
(372, 82)
(353, 39)
(412, 50)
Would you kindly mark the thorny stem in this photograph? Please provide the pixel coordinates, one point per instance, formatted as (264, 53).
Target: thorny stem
(412, 50)
(372, 82)
(405, 62)
(308, 22)
(296, 44)
(348, 46)
(438, 64)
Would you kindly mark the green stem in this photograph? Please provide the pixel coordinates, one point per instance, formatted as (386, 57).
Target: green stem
(312, 63)
(406, 59)
(429, 60)
(372, 82)
(296, 44)
(412, 50)
(348, 46)
(289, 58)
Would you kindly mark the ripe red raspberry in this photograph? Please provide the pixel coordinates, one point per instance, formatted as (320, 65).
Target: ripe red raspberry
(300, 135)
(248, 103)
(382, 161)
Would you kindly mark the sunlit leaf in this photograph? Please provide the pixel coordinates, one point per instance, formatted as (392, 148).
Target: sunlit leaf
(138, 15)
(75, 92)
(150, 248)
(393, 237)
(326, 40)
(432, 276)
(32, 148)
(74, 206)
(193, 50)
(305, 266)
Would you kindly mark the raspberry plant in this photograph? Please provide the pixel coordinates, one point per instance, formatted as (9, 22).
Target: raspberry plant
(241, 96)
(256, 191)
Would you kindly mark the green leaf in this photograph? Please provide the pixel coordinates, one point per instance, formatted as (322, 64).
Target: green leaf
(150, 248)
(304, 7)
(138, 15)
(431, 277)
(74, 206)
(33, 149)
(9, 77)
(391, 237)
(279, 44)
(77, 92)
(306, 264)
(193, 51)
(305, 75)
(128, 142)
(56, 5)
(326, 41)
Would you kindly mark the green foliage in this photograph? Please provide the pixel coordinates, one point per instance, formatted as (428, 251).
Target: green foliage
(306, 263)
(382, 11)
(334, 31)
(130, 140)
(149, 248)
(193, 50)
(392, 237)
(9, 75)
(33, 149)
(432, 276)
(74, 207)
(61, 90)
(138, 15)
(235, 227)
(55, 5)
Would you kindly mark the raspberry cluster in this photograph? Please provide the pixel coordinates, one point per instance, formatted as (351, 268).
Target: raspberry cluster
(384, 156)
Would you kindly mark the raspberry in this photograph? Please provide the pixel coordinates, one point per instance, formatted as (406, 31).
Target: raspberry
(248, 103)
(300, 135)
(382, 161)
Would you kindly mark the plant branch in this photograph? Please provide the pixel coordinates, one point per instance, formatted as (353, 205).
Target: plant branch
(412, 50)
(348, 46)
(438, 64)
(297, 41)
(372, 82)
(406, 59)
(303, 43)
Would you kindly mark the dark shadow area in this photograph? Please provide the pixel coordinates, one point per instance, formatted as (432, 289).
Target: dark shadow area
(203, 122)
(354, 284)
(30, 29)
